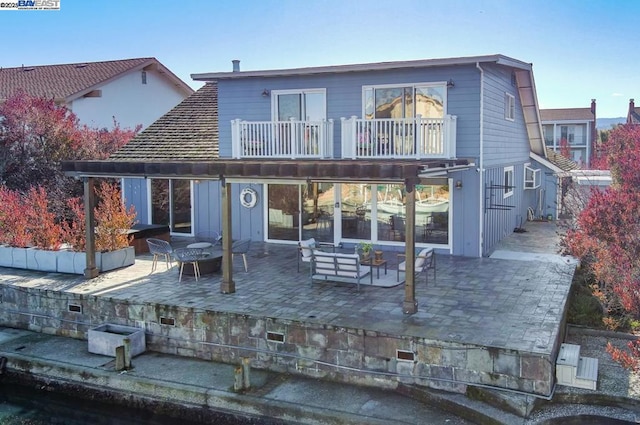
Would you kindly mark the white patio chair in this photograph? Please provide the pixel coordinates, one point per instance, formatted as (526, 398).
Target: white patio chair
(160, 248)
(424, 261)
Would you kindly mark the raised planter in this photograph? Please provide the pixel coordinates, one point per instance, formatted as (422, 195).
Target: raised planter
(106, 338)
(63, 261)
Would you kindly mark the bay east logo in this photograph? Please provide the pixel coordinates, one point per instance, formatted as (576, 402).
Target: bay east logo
(30, 5)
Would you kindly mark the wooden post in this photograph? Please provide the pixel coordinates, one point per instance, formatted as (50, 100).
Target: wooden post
(91, 270)
(227, 285)
(410, 304)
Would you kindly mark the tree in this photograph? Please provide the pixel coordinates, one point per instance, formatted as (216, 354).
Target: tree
(606, 236)
(36, 135)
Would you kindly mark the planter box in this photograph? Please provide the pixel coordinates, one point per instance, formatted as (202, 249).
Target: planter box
(106, 338)
(106, 261)
(71, 262)
(63, 261)
(40, 259)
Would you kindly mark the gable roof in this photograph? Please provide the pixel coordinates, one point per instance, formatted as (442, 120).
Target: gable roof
(187, 132)
(634, 116)
(567, 114)
(67, 82)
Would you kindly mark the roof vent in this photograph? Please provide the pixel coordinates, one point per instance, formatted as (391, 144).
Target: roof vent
(81, 65)
(28, 68)
(236, 65)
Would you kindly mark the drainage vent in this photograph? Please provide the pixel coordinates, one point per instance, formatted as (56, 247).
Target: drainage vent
(408, 356)
(275, 336)
(169, 321)
(75, 308)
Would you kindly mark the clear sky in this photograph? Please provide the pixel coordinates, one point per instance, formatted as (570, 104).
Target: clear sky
(580, 49)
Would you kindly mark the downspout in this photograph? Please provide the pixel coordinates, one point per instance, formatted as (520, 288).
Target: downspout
(481, 162)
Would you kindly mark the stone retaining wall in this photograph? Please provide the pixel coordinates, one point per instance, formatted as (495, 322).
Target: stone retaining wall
(318, 350)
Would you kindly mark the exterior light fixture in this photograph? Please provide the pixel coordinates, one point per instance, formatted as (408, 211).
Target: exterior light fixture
(458, 184)
(265, 93)
(450, 83)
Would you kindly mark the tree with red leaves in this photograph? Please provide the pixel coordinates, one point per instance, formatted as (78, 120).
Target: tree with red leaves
(606, 236)
(36, 135)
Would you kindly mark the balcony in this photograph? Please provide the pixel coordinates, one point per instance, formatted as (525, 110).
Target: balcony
(399, 138)
(282, 139)
(414, 138)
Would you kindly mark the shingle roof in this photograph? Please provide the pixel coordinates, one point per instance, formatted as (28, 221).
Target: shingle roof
(634, 116)
(69, 81)
(187, 132)
(560, 161)
(568, 114)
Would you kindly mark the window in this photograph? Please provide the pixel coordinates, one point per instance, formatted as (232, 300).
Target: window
(508, 181)
(531, 177)
(405, 101)
(144, 77)
(509, 107)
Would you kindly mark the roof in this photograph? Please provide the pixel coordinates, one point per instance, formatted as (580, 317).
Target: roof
(187, 132)
(67, 82)
(376, 66)
(565, 164)
(634, 116)
(567, 114)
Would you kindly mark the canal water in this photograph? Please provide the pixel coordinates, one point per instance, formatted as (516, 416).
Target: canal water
(24, 406)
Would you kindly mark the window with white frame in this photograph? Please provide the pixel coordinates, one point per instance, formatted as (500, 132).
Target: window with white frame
(508, 181)
(509, 107)
(531, 177)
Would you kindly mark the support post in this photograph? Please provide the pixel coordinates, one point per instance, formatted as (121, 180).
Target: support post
(410, 304)
(227, 285)
(246, 369)
(91, 270)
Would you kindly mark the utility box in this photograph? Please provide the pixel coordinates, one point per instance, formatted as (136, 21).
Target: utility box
(106, 338)
(575, 371)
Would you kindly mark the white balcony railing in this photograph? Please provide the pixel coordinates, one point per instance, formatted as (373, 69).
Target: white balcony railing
(399, 138)
(282, 139)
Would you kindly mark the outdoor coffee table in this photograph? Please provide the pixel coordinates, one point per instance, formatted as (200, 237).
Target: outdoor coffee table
(201, 245)
(375, 263)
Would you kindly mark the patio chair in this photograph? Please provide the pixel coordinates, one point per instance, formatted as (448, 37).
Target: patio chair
(306, 247)
(189, 256)
(241, 247)
(424, 261)
(160, 248)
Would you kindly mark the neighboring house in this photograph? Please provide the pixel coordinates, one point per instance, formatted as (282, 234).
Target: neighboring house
(131, 91)
(341, 153)
(633, 116)
(571, 129)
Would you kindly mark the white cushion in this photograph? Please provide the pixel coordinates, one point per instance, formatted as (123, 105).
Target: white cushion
(422, 257)
(307, 246)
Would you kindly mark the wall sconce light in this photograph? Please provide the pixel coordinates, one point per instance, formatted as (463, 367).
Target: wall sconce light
(265, 93)
(458, 184)
(450, 83)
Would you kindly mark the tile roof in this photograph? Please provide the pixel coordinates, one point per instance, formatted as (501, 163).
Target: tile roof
(69, 81)
(565, 164)
(568, 114)
(188, 132)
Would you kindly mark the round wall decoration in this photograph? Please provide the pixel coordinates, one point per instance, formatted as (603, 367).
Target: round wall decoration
(248, 197)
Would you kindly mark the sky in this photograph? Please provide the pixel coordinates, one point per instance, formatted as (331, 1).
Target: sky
(580, 49)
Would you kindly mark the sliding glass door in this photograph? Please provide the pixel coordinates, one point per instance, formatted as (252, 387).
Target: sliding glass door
(171, 204)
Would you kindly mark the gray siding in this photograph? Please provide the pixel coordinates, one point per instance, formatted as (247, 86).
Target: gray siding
(505, 142)
(246, 223)
(243, 99)
(135, 194)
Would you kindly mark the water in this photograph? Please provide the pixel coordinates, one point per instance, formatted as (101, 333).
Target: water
(24, 406)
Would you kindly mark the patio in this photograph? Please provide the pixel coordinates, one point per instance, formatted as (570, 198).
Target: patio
(505, 305)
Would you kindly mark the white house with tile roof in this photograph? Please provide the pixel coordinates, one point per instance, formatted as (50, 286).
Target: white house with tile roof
(131, 91)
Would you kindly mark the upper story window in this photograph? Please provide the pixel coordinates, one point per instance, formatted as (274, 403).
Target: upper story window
(299, 105)
(509, 107)
(508, 181)
(405, 100)
(144, 77)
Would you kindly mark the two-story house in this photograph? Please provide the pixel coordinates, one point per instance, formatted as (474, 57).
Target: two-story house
(449, 151)
(633, 115)
(571, 132)
(131, 91)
